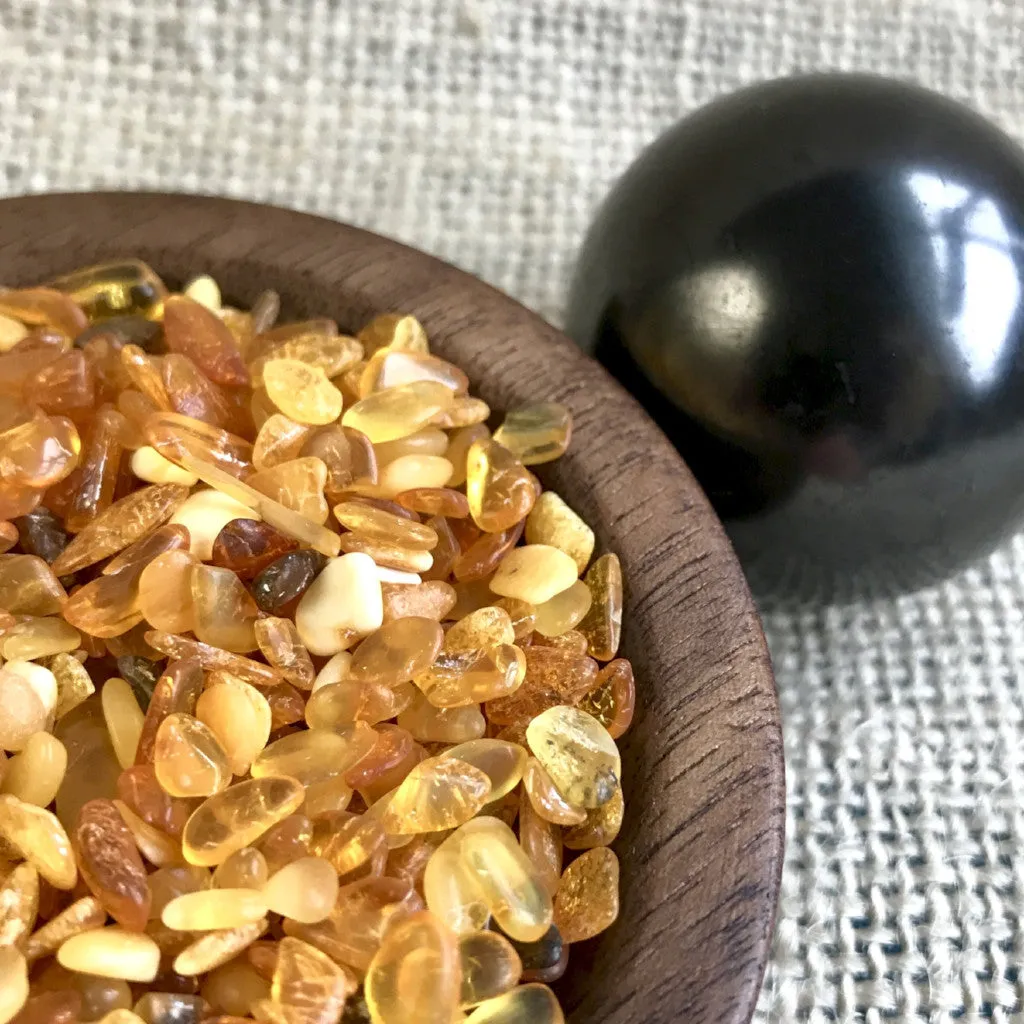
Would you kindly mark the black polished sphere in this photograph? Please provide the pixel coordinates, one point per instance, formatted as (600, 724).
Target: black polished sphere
(816, 286)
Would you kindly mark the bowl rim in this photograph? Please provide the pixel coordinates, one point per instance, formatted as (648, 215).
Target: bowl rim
(705, 750)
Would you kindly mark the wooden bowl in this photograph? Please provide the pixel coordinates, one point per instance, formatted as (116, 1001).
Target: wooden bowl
(701, 848)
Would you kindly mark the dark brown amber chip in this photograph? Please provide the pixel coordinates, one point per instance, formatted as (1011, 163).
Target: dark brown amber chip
(286, 579)
(247, 546)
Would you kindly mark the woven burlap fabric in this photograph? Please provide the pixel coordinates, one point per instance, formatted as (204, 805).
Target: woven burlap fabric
(487, 131)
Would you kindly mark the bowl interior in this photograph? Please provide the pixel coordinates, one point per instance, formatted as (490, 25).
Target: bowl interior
(701, 847)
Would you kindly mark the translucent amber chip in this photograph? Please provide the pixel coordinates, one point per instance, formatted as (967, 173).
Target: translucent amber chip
(398, 411)
(237, 817)
(279, 643)
(541, 841)
(376, 524)
(421, 945)
(457, 680)
(545, 799)
(308, 985)
(362, 912)
(395, 331)
(332, 353)
(224, 613)
(536, 433)
(194, 331)
(244, 869)
(316, 754)
(587, 900)
(123, 523)
(442, 725)
(44, 306)
(577, 753)
(188, 758)
(526, 1004)
(302, 392)
(490, 967)
(298, 484)
(397, 652)
(28, 586)
(165, 592)
(348, 701)
(40, 839)
(485, 627)
(438, 794)
(603, 624)
(507, 880)
(452, 893)
(613, 698)
(499, 487)
(110, 864)
(119, 288)
(280, 439)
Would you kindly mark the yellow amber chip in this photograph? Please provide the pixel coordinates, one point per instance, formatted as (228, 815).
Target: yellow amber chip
(438, 794)
(40, 838)
(534, 573)
(239, 716)
(502, 762)
(564, 611)
(303, 891)
(35, 774)
(117, 288)
(552, 521)
(415, 976)
(525, 1004)
(211, 909)
(188, 758)
(301, 391)
(507, 880)
(577, 752)
(499, 487)
(399, 411)
(603, 623)
(124, 719)
(587, 900)
(536, 433)
(111, 952)
(237, 817)
(395, 331)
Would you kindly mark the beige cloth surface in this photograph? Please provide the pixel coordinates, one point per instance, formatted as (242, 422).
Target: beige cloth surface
(487, 131)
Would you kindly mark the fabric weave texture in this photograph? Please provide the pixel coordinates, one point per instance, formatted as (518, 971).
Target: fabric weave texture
(487, 131)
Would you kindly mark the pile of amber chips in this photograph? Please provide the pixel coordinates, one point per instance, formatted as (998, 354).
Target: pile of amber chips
(308, 693)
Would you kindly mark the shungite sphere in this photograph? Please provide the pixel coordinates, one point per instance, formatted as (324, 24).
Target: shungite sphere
(816, 287)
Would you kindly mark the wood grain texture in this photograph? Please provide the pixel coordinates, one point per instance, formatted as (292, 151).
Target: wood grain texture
(702, 844)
